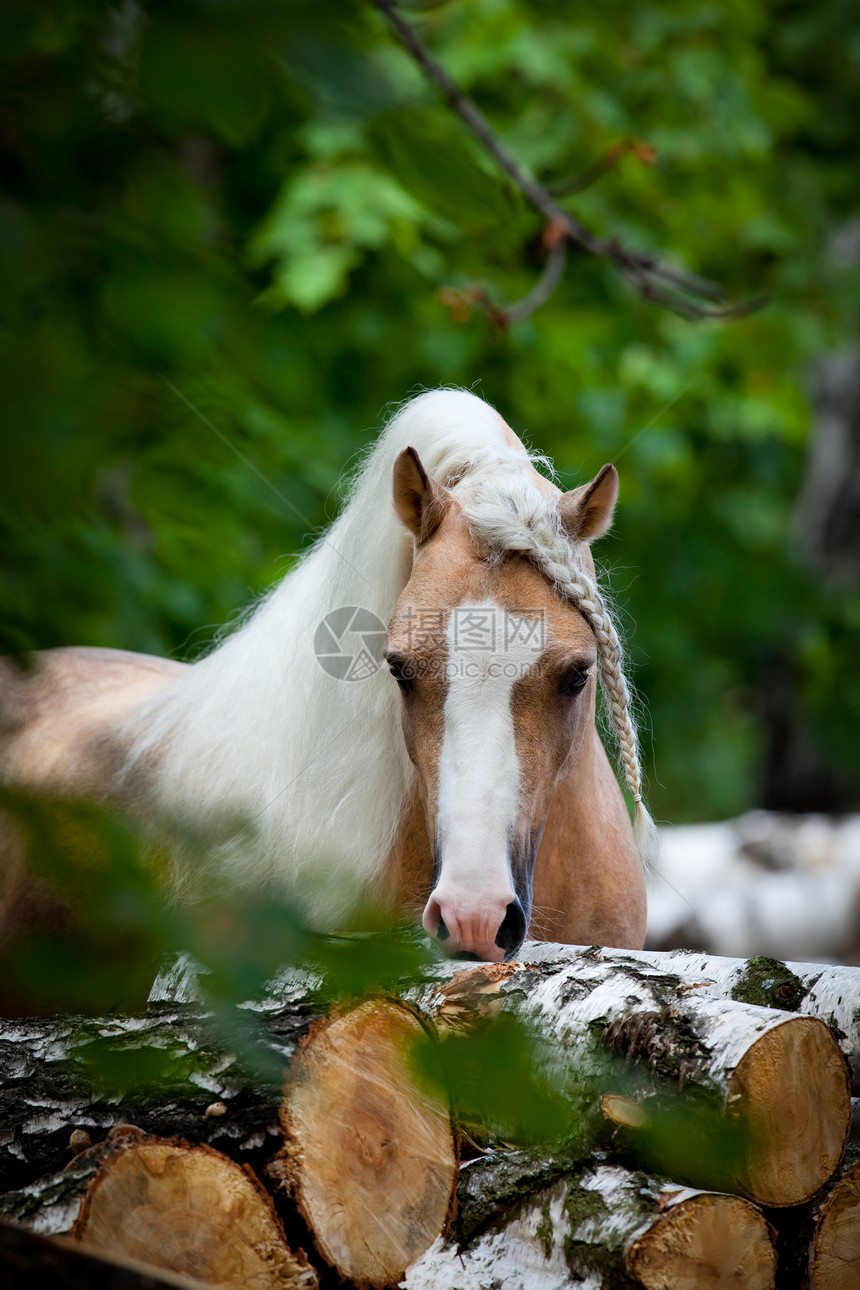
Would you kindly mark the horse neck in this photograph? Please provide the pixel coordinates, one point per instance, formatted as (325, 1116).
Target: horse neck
(405, 880)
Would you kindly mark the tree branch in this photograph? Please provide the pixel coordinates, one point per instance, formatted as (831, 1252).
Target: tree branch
(691, 296)
(462, 302)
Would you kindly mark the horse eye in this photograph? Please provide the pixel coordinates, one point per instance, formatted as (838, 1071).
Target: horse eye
(573, 684)
(403, 675)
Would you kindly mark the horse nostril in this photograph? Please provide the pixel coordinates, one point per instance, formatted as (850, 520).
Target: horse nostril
(467, 954)
(442, 933)
(512, 932)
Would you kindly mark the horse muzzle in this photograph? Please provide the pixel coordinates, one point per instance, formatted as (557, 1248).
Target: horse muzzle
(489, 931)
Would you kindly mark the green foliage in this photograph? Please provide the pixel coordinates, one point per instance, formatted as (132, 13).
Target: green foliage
(104, 922)
(109, 920)
(260, 203)
(494, 1073)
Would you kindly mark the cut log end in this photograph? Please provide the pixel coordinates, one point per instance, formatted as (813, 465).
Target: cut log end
(835, 1257)
(369, 1157)
(715, 1240)
(623, 1111)
(192, 1211)
(791, 1088)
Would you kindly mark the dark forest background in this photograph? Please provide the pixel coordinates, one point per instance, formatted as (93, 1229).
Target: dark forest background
(267, 206)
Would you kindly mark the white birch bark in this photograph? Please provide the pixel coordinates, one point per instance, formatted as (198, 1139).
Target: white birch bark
(807, 989)
(595, 1228)
(765, 883)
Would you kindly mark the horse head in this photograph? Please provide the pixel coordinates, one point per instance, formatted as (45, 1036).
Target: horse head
(497, 675)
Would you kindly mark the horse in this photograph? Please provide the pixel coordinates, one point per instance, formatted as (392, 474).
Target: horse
(410, 714)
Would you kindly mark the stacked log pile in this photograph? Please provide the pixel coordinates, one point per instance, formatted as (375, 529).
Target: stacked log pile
(765, 883)
(358, 1172)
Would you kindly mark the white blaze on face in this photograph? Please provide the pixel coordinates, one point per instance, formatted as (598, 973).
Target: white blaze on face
(489, 650)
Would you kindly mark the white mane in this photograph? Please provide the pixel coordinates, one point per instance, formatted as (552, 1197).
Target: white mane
(259, 730)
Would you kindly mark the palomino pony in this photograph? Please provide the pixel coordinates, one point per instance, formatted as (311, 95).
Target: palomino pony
(466, 779)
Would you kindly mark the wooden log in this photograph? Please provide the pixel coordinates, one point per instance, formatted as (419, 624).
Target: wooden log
(369, 1157)
(811, 989)
(46, 1099)
(171, 1205)
(28, 1259)
(51, 1083)
(784, 885)
(47, 1091)
(828, 991)
(190, 1210)
(525, 1223)
(819, 1245)
(779, 1075)
(835, 1254)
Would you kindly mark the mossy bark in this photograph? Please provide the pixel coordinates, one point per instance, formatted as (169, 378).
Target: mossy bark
(529, 1223)
(830, 992)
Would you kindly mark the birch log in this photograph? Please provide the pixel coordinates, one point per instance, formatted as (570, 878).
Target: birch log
(183, 1209)
(527, 1224)
(781, 1071)
(819, 1246)
(809, 989)
(779, 1075)
(50, 1084)
(368, 1156)
(370, 1159)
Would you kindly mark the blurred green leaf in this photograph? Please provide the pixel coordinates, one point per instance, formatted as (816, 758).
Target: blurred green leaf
(198, 75)
(431, 156)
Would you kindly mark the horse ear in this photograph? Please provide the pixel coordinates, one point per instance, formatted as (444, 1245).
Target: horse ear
(419, 501)
(586, 512)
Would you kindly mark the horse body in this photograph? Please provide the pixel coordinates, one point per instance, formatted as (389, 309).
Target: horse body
(60, 716)
(478, 789)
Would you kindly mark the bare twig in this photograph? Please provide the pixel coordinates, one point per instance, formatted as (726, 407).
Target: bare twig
(591, 174)
(690, 295)
(462, 302)
(545, 285)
